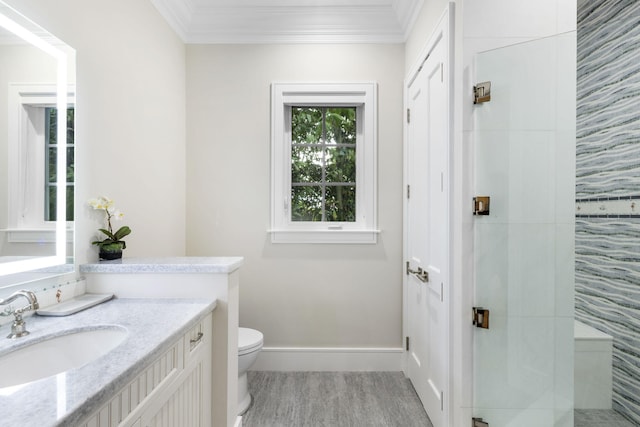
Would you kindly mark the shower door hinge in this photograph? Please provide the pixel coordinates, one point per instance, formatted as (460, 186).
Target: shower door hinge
(481, 317)
(407, 343)
(408, 115)
(408, 191)
(479, 422)
(482, 92)
(481, 205)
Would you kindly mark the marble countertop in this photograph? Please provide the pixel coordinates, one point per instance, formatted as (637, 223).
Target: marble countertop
(65, 400)
(165, 265)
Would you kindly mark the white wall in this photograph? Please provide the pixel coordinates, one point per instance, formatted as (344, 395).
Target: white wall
(130, 120)
(297, 295)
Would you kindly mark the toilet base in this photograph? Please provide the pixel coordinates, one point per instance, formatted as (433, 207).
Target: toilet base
(244, 397)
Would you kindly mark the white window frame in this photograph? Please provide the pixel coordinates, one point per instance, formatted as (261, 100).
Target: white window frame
(27, 103)
(363, 96)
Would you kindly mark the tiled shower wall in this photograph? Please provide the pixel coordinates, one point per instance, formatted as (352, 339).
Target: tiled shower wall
(608, 186)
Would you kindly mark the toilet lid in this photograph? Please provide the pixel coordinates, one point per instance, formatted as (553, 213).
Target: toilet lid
(249, 340)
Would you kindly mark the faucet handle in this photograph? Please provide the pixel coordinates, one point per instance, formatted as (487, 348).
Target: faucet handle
(18, 327)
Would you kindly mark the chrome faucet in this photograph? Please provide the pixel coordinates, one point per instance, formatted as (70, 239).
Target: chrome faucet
(19, 327)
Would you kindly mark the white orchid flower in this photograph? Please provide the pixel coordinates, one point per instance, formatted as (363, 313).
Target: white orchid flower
(117, 215)
(113, 237)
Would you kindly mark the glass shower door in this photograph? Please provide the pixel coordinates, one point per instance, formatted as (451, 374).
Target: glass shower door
(524, 145)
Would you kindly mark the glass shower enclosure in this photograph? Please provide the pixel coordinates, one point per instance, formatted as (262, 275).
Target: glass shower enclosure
(524, 151)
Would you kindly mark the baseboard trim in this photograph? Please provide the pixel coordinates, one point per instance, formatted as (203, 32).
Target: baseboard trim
(329, 359)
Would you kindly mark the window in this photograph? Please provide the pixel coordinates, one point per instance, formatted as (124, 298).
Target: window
(51, 152)
(33, 169)
(323, 163)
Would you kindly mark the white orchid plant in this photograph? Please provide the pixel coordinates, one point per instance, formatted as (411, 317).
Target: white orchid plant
(113, 240)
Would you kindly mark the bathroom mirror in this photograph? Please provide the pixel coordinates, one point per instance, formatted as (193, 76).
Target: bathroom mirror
(37, 91)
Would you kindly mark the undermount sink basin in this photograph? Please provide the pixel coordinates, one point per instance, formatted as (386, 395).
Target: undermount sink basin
(57, 354)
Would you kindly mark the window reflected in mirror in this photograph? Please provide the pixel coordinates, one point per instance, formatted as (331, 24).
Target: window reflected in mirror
(51, 162)
(37, 150)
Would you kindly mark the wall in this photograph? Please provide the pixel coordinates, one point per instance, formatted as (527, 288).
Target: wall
(297, 295)
(130, 120)
(608, 222)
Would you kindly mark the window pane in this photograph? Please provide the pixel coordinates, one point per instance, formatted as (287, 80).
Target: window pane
(51, 119)
(71, 135)
(52, 212)
(340, 203)
(306, 203)
(341, 164)
(306, 164)
(70, 202)
(341, 125)
(306, 125)
(70, 164)
(51, 200)
(52, 163)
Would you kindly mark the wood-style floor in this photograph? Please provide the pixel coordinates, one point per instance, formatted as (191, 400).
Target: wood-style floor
(333, 399)
(599, 418)
(356, 399)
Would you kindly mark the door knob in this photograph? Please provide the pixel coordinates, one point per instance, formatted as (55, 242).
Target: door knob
(421, 274)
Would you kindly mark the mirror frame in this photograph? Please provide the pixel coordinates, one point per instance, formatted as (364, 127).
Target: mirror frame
(18, 24)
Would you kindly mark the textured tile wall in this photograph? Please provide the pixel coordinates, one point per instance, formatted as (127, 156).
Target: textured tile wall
(608, 186)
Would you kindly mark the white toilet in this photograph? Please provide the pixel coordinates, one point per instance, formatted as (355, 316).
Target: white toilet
(249, 345)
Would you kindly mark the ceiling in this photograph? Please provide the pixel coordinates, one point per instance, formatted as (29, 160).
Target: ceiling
(290, 21)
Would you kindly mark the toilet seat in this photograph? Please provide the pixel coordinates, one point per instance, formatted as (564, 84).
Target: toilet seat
(249, 340)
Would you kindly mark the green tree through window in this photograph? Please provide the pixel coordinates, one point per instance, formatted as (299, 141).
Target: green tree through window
(323, 164)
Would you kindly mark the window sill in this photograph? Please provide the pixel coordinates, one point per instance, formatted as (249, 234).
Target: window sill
(325, 236)
(33, 235)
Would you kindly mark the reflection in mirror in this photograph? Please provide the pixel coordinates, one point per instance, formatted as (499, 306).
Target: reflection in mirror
(36, 151)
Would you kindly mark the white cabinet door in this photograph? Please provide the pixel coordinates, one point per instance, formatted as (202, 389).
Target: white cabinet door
(174, 390)
(187, 400)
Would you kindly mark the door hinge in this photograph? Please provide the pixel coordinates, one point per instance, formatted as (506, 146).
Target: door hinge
(479, 422)
(482, 92)
(481, 317)
(407, 343)
(481, 205)
(408, 191)
(408, 115)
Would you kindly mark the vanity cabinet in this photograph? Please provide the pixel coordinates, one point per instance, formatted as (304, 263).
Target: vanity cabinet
(174, 390)
(214, 278)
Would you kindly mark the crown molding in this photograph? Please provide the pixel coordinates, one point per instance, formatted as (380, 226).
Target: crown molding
(407, 12)
(220, 21)
(177, 13)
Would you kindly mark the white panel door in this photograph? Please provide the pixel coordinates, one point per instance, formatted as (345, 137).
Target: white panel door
(427, 230)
